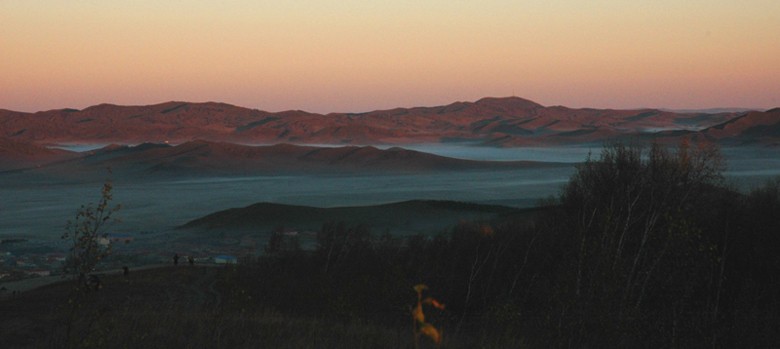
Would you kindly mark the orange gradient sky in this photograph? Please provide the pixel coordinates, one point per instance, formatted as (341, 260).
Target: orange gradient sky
(357, 55)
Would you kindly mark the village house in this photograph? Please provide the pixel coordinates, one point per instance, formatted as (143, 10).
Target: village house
(22, 262)
(225, 259)
(115, 238)
(39, 272)
(123, 238)
(55, 257)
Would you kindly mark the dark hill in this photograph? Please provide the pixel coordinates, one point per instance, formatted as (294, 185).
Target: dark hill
(205, 157)
(201, 158)
(18, 154)
(406, 217)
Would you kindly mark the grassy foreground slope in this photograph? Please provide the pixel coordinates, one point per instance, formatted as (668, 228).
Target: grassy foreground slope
(174, 307)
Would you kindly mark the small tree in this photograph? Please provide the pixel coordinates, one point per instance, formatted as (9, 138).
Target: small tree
(86, 232)
(84, 235)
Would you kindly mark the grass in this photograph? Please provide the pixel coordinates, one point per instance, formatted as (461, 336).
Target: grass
(186, 307)
(187, 328)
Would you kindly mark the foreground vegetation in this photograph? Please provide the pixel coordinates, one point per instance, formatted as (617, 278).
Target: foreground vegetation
(644, 247)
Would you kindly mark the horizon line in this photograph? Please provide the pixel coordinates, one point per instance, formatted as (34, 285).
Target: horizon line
(675, 110)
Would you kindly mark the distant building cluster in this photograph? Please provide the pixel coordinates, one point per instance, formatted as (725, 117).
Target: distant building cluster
(20, 266)
(116, 238)
(25, 258)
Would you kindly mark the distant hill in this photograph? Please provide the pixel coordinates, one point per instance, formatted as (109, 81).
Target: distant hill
(408, 217)
(204, 158)
(16, 154)
(712, 110)
(752, 127)
(505, 122)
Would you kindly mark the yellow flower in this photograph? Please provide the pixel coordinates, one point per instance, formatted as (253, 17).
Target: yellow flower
(431, 331)
(417, 314)
(486, 231)
(434, 303)
(419, 288)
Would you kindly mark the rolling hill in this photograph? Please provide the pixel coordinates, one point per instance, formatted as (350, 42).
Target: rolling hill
(508, 121)
(401, 218)
(752, 127)
(17, 154)
(206, 158)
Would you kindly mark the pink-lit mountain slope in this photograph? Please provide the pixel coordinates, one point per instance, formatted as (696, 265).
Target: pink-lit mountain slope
(752, 127)
(16, 154)
(206, 158)
(508, 121)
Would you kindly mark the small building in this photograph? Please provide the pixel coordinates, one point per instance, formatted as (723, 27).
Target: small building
(225, 259)
(25, 264)
(115, 238)
(39, 272)
(122, 238)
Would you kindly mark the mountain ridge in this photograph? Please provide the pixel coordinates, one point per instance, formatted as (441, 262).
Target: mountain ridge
(207, 158)
(508, 121)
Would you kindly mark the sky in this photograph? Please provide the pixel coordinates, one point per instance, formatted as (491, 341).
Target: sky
(361, 55)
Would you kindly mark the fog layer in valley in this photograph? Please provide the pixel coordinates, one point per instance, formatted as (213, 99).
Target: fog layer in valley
(42, 210)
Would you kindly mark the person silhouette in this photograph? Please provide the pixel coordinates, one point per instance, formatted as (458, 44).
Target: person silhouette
(176, 259)
(191, 259)
(126, 270)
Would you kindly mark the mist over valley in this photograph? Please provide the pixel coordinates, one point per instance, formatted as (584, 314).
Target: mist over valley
(39, 201)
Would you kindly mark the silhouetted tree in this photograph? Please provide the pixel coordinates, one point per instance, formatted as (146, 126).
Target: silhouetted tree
(88, 234)
(89, 244)
(635, 253)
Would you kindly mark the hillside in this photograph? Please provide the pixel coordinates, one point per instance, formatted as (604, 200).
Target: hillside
(508, 121)
(205, 158)
(752, 127)
(401, 218)
(176, 307)
(17, 154)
